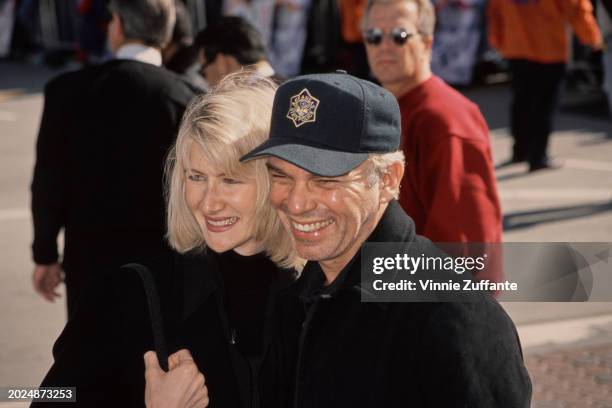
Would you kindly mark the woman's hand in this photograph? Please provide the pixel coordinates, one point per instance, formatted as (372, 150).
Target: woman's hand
(181, 387)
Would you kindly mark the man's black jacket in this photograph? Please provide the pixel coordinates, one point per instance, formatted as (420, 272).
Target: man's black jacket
(339, 352)
(104, 136)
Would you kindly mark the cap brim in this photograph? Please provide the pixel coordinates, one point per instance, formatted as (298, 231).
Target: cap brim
(316, 160)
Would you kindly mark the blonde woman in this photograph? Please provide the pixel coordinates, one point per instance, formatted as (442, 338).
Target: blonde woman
(230, 254)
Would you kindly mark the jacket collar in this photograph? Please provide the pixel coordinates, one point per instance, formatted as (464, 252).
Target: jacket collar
(394, 226)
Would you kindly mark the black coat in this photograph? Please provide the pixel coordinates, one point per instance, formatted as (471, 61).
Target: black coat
(339, 352)
(101, 348)
(104, 136)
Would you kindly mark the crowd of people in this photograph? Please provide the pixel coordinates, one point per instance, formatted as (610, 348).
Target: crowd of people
(214, 207)
(301, 35)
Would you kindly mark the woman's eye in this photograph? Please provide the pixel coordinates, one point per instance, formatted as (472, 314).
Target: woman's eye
(196, 177)
(228, 180)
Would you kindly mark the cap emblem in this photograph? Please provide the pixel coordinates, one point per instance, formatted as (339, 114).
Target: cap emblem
(303, 108)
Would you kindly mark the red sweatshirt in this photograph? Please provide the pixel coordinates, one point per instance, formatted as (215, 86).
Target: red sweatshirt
(449, 186)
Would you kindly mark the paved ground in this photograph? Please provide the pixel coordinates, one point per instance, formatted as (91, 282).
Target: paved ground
(566, 352)
(570, 358)
(570, 362)
(572, 378)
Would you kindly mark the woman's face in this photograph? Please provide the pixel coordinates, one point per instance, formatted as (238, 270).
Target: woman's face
(223, 206)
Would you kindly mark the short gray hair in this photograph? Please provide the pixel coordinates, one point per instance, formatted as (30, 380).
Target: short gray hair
(426, 22)
(382, 162)
(150, 21)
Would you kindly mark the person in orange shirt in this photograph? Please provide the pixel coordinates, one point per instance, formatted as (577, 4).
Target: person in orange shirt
(531, 35)
(354, 58)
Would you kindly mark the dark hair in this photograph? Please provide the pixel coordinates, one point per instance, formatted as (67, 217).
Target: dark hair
(232, 36)
(150, 21)
(182, 33)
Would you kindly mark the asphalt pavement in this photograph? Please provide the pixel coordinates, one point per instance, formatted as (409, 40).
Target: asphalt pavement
(568, 346)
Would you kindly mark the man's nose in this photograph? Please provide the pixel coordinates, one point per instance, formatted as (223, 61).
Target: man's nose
(300, 199)
(386, 44)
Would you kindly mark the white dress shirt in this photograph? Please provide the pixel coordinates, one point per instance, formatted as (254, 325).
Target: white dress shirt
(139, 52)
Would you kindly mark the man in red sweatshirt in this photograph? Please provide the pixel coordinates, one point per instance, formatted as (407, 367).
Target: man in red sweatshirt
(449, 186)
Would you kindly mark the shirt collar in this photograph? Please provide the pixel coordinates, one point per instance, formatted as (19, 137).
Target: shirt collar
(264, 69)
(141, 53)
(416, 94)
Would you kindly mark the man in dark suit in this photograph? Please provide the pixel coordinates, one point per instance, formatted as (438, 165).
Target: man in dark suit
(101, 147)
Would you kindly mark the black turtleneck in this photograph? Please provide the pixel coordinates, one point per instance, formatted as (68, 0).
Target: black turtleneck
(247, 280)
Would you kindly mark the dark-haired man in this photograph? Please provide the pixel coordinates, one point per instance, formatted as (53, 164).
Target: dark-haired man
(229, 45)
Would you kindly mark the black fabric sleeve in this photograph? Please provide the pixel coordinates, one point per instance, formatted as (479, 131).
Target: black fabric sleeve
(49, 182)
(99, 351)
(473, 352)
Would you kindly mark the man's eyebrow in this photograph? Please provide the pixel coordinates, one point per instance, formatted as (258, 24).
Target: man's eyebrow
(275, 169)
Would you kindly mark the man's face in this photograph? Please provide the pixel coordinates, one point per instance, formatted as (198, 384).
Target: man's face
(329, 217)
(213, 71)
(392, 63)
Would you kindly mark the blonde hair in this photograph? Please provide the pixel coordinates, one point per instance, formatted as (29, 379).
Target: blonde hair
(426, 22)
(381, 163)
(226, 123)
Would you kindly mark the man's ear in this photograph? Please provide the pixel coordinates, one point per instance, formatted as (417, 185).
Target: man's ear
(428, 41)
(118, 25)
(391, 181)
(425, 53)
(116, 38)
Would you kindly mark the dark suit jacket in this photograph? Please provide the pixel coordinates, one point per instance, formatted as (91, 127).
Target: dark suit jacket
(100, 351)
(103, 139)
(333, 350)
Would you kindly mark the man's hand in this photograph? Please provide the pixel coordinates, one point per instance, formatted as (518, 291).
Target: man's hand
(181, 387)
(45, 279)
(600, 46)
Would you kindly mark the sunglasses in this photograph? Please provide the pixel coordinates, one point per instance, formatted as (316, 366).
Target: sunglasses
(374, 36)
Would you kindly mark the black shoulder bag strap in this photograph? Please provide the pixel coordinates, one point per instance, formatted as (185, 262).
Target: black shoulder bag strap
(154, 312)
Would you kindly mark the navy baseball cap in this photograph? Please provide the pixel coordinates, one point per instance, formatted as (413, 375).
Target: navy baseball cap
(328, 124)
